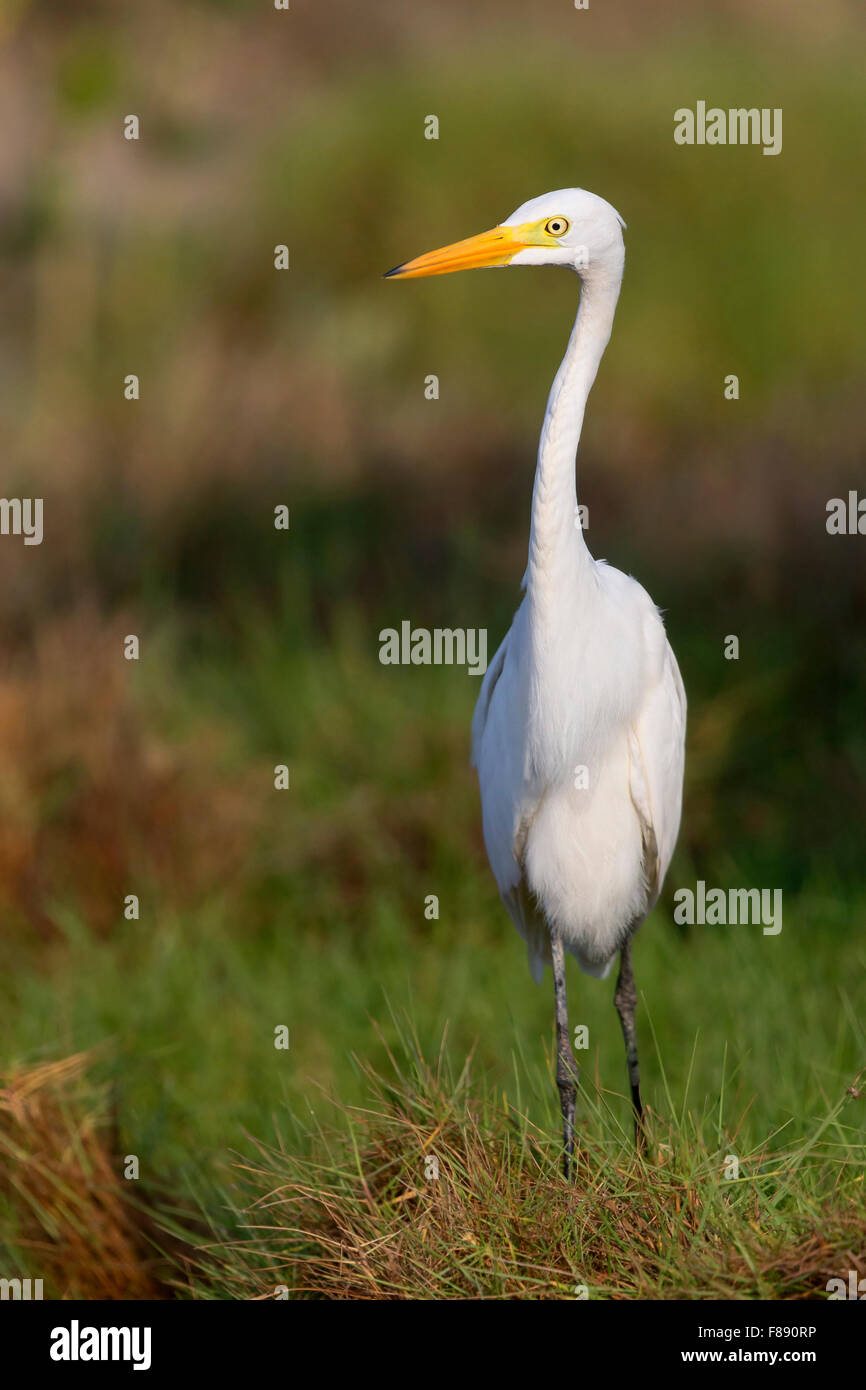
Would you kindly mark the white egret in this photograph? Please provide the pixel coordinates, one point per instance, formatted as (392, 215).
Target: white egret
(579, 732)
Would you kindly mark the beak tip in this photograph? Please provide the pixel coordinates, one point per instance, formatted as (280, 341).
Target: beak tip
(396, 271)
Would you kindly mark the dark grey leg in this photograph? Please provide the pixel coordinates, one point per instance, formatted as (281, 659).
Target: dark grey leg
(566, 1067)
(625, 1000)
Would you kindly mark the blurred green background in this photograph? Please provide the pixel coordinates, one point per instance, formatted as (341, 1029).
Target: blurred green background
(306, 388)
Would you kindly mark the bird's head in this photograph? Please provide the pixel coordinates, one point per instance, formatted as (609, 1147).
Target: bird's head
(570, 227)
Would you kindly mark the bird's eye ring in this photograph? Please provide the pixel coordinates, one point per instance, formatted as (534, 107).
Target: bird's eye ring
(557, 226)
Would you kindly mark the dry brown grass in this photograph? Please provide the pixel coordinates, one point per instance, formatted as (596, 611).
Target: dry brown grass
(59, 1172)
(94, 803)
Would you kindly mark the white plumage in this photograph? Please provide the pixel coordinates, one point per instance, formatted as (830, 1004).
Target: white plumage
(578, 734)
(592, 847)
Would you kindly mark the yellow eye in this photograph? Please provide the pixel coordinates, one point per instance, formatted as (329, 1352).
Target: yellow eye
(557, 226)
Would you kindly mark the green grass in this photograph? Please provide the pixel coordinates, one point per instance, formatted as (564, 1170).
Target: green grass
(437, 1185)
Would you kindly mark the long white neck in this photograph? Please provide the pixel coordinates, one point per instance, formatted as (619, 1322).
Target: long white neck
(557, 550)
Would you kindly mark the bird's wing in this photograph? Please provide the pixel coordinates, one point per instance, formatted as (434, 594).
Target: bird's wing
(509, 800)
(482, 707)
(656, 761)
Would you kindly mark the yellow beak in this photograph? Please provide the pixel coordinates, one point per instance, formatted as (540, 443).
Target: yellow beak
(495, 247)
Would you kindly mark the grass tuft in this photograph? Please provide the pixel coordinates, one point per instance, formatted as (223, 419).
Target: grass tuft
(61, 1189)
(437, 1188)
